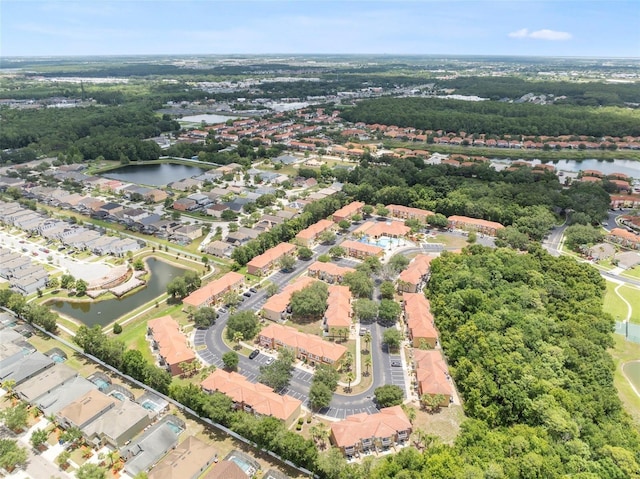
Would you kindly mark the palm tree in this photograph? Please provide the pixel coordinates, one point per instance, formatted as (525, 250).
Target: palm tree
(237, 338)
(348, 360)
(349, 377)
(367, 363)
(367, 339)
(112, 455)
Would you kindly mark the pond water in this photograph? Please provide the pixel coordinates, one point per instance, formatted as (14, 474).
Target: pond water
(632, 370)
(628, 167)
(154, 175)
(104, 312)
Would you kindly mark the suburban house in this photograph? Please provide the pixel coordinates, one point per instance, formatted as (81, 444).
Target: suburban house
(413, 279)
(29, 366)
(376, 229)
(359, 250)
(147, 449)
(307, 347)
(309, 235)
(474, 224)
(85, 409)
(118, 424)
(420, 325)
(337, 317)
(172, 346)
(364, 432)
(624, 238)
(63, 395)
(407, 213)
(261, 264)
(328, 272)
(226, 470)
(32, 389)
(187, 461)
(212, 292)
(219, 248)
(276, 306)
(432, 374)
(346, 212)
(184, 204)
(251, 397)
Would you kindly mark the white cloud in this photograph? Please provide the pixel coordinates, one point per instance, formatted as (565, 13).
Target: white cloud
(544, 34)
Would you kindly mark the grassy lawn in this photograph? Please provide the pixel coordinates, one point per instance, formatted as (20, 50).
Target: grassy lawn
(134, 337)
(445, 424)
(632, 273)
(613, 304)
(632, 295)
(622, 352)
(451, 241)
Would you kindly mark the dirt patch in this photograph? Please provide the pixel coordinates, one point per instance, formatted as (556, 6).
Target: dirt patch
(445, 424)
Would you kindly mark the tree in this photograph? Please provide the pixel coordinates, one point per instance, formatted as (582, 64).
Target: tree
(367, 339)
(349, 378)
(228, 215)
(310, 303)
(367, 210)
(204, 317)
(39, 438)
(91, 471)
(577, 236)
(67, 281)
(277, 374)
(367, 364)
(230, 360)
(347, 360)
(192, 280)
(72, 435)
(176, 215)
(327, 237)
(177, 288)
(344, 225)
(81, 287)
(11, 455)
(389, 311)
(231, 298)
(388, 395)
(287, 262)
(237, 338)
(336, 251)
(431, 402)
(370, 265)
(244, 322)
(319, 395)
(16, 417)
(117, 328)
(399, 262)
(53, 283)
(271, 289)
(438, 220)
(387, 290)
(392, 338)
(366, 310)
(138, 264)
(382, 211)
(305, 253)
(63, 459)
(359, 283)
(324, 258)
(356, 218)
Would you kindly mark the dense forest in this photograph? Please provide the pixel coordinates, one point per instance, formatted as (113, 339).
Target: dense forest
(494, 118)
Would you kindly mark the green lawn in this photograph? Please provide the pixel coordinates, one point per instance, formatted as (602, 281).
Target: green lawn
(622, 352)
(633, 272)
(614, 305)
(134, 337)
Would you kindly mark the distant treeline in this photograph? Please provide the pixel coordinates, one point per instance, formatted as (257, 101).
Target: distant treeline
(494, 118)
(583, 93)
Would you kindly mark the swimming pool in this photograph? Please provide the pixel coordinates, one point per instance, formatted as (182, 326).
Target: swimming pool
(382, 242)
(174, 427)
(101, 383)
(151, 406)
(248, 469)
(57, 358)
(118, 395)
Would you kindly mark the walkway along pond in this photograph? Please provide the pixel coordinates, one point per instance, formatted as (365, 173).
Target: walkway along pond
(104, 312)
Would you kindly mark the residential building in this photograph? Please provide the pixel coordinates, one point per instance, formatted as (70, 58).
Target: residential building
(407, 213)
(44, 382)
(85, 409)
(184, 204)
(474, 224)
(432, 374)
(364, 432)
(307, 347)
(226, 470)
(64, 394)
(187, 461)
(119, 424)
(359, 250)
(337, 317)
(376, 229)
(413, 279)
(328, 272)
(309, 235)
(625, 238)
(251, 397)
(212, 292)
(29, 366)
(420, 324)
(172, 346)
(276, 306)
(219, 248)
(261, 264)
(347, 211)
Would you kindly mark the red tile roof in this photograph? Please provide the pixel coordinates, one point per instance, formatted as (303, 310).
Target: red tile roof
(418, 268)
(213, 290)
(279, 302)
(171, 342)
(348, 210)
(308, 342)
(432, 372)
(338, 313)
(362, 247)
(418, 316)
(271, 255)
(315, 229)
(387, 423)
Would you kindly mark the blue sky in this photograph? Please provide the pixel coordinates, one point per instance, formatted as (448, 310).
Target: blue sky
(586, 28)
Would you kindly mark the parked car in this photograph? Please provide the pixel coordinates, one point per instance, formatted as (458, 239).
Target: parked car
(363, 331)
(396, 364)
(269, 361)
(254, 353)
(246, 294)
(222, 310)
(253, 290)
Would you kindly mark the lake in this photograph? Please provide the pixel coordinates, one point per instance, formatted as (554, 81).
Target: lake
(208, 118)
(104, 312)
(628, 167)
(154, 175)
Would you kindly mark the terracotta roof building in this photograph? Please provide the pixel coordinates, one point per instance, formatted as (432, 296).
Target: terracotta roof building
(171, 344)
(253, 397)
(371, 432)
(212, 292)
(307, 347)
(407, 213)
(412, 279)
(417, 314)
(360, 250)
(432, 374)
(348, 211)
(337, 317)
(276, 306)
(376, 229)
(308, 235)
(474, 224)
(328, 272)
(625, 238)
(262, 263)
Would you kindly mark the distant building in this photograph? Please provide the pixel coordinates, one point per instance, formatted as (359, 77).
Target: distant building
(261, 264)
(474, 224)
(360, 250)
(432, 374)
(346, 212)
(210, 293)
(406, 213)
(420, 324)
(412, 279)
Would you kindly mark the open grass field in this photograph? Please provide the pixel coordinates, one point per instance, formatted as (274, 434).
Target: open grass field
(622, 352)
(622, 302)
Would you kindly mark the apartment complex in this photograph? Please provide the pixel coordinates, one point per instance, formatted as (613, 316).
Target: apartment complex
(261, 264)
(420, 325)
(171, 345)
(210, 293)
(413, 279)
